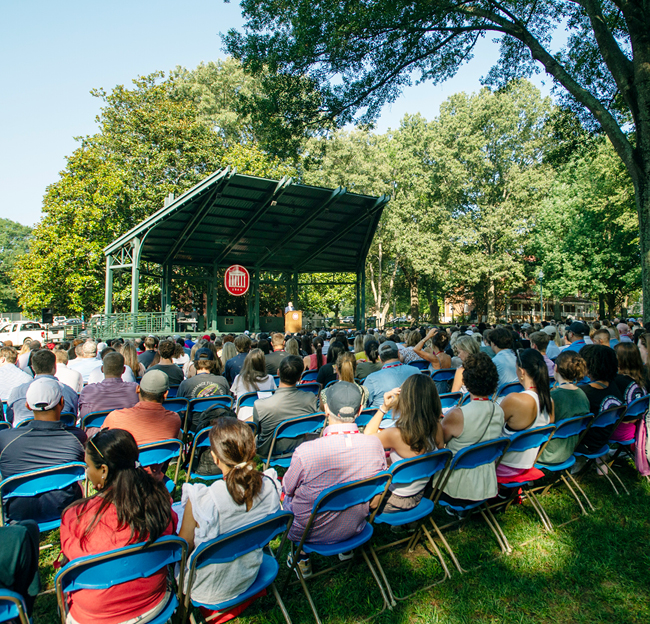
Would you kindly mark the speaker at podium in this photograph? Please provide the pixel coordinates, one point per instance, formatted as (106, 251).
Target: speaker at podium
(292, 322)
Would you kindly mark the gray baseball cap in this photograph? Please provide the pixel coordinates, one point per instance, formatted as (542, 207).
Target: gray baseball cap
(344, 399)
(154, 382)
(387, 346)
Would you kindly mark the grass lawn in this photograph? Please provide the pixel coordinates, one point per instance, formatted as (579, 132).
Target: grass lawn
(592, 569)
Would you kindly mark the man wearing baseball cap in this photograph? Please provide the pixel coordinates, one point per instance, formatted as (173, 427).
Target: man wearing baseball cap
(574, 335)
(340, 455)
(42, 443)
(391, 375)
(148, 421)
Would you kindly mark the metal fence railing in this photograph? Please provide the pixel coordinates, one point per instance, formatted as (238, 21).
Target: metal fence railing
(112, 325)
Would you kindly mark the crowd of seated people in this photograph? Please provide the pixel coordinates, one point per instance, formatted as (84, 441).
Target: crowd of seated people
(564, 371)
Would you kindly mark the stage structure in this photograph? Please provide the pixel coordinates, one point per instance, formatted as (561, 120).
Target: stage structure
(265, 226)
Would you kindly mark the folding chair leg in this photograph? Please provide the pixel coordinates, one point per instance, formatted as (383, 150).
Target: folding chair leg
(618, 479)
(377, 580)
(178, 467)
(278, 599)
(582, 507)
(383, 576)
(568, 474)
(445, 569)
(604, 473)
(541, 512)
(450, 552)
(307, 594)
(496, 529)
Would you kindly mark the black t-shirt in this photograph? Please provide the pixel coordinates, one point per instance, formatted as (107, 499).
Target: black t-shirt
(147, 357)
(204, 385)
(326, 374)
(173, 371)
(630, 389)
(599, 399)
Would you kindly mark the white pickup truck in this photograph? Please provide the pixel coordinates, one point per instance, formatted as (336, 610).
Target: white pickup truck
(20, 331)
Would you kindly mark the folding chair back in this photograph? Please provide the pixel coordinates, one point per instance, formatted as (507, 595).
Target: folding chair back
(201, 440)
(479, 454)
(4, 425)
(121, 566)
(531, 438)
(94, 419)
(311, 386)
(449, 400)
(177, 404)
(12, 607)
(309, 375)
(423, 365)
(68, 419)
(248, 399)
(330, 383)
(609, 417)
(443, 379)
(509, 388)
(3, 415)
(159, 452)
(253, 427)
(172, 391)
(23, 422)
(342, 497)
(365, 417)
(406, 471)
(293, 428)
(204, 403)
(637, 409)
(572, 426)
(37, 482)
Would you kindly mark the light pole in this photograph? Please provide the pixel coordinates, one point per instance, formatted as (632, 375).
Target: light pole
(541, 295)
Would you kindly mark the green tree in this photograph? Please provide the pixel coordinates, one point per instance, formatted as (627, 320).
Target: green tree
(14, 240)
(586, 239)
(361, 55)
(150, 142)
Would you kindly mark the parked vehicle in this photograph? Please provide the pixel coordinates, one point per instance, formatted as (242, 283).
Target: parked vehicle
(59, 320)
(21, 331)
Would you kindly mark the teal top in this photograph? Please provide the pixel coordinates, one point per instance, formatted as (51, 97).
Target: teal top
(568, 403)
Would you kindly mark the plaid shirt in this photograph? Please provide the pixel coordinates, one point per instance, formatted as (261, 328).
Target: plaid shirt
(342, 455)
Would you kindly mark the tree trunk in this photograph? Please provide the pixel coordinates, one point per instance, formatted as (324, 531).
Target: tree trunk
(491, 302)
(415, 299)
(601, 306)
(434, 309)
(611, 304)
(557, 311)
(642, 195)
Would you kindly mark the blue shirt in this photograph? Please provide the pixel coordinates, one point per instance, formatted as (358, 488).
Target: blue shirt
(506, 363)
(16, 410)
(575, 346)
(234, 366)
(10, 377)
(391, 375)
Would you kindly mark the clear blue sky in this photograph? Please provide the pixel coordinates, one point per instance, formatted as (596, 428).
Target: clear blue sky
(53, 54)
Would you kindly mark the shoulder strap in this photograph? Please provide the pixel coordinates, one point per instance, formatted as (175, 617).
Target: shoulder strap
(488, 423)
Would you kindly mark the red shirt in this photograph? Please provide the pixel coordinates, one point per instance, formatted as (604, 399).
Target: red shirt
(122, 602)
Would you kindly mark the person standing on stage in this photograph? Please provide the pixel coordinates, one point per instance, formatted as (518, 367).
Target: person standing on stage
(289, 308)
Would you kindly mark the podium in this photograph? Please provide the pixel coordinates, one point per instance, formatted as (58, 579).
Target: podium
(292, 322)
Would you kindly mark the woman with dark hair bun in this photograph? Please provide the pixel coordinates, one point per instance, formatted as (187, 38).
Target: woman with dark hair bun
(569, 401)
(130, 506)
(479, 420)
(242, 497)
(526, 410)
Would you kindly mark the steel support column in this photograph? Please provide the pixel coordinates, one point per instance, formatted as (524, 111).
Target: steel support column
(357, 303)
(256, 307)
(363, 300)
(135, 275)
(108, 289)
(215, 287)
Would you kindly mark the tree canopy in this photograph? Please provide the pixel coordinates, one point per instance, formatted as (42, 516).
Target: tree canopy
(360, 55)
(14, 240)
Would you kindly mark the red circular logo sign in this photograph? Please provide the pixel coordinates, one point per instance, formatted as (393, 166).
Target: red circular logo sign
(236, 280)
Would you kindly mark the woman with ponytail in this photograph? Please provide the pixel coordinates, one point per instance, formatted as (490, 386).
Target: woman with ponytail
(346, 369)
(315, 360)
(243, 497)
(526, 410)
(130, 506)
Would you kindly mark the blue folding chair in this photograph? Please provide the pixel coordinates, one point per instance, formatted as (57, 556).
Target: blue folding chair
(121, 566)
(248, 399)
(609, 418)
(236, 544)
(196, 406)
(311, 386)
(450, 400)
(12, 607)
(443, 379)
(507, 389)
(405, 472)
(365, 417)
(4, 425)
(466, 400)
(481, 454)
(172, 391)
(94, 419)
(69, 419)
(636, 410)
(179, 405)
(578, 427)
(201, 440)
(340, 498)
(37, 482)
(157, 453)
(3, 415)
(526, 440)
(309, 375)
(423, 365)
(331, 383)
(293, 428)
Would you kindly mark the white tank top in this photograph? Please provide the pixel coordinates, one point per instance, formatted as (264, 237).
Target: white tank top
(525, 459)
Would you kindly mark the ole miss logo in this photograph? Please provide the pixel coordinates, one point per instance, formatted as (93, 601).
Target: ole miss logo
(236, 280)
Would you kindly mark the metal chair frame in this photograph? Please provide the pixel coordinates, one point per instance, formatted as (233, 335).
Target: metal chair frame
(333, 499)
(201, 439)
(82, 573)
(92, 416)
(425, 465)
(506, 389)
(217, 399)
(155, 453)
(231, 546)
(12, 606)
